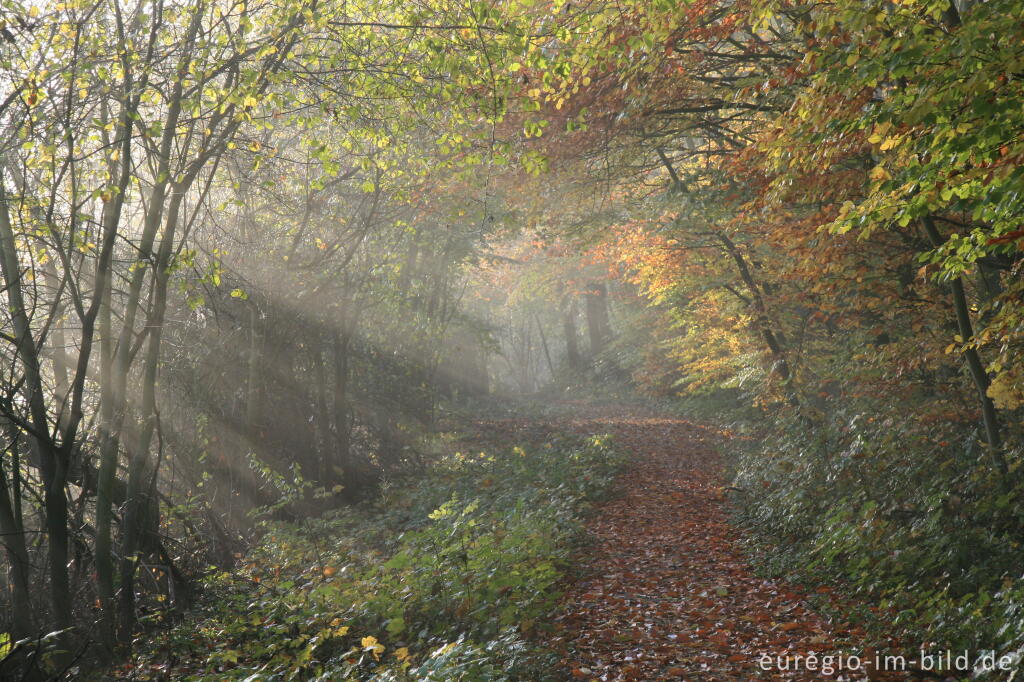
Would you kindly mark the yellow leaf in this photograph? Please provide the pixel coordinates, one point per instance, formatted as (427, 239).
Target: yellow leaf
(879, 173)
(373, 646)
(890, 142)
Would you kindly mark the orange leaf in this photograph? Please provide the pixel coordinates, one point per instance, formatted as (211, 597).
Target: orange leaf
(1007, 238)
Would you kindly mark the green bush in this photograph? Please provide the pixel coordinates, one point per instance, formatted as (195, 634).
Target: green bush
(441, 579)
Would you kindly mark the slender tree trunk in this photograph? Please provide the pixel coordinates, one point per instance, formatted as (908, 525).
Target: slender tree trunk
(597, 317)
(409, 267)
(61, 384)
(480, 381)
(53, 465)
(138, 478)
(110, 410)
(12, 537)
(572, 349)
(325, 447)
(138, 515)
(254, 399)
(105, 484)
(342, 431)
(544, 344)
(975, 366)
(762, 320)
(774, 340)
(105, 481)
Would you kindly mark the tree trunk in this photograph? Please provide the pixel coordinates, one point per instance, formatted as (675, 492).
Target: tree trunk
(763, 322)
(597, 317)
(109, 408)
(572, 349)
(774, 340)
(974, 364)
(12, 536)
(324, 421)
(52, 462)
(105, 482)
(544, 345)
(138, 515)
(342, 432)
(254, 399)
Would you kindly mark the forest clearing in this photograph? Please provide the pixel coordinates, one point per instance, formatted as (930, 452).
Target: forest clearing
(511, 340)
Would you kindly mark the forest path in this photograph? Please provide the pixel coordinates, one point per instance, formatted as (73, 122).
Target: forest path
(665, 592)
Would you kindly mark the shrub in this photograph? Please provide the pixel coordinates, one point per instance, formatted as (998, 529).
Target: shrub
(909, 516)
(441, 579)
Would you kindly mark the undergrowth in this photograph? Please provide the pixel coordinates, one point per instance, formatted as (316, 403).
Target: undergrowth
(444, 578)
(908, 517)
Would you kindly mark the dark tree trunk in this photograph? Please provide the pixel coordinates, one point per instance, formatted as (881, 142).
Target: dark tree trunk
(598, 327)
(544, 345)
(342, 421)
(52, 460)
(975, 366)
(572, 348)
(772, 339)
(12, 537)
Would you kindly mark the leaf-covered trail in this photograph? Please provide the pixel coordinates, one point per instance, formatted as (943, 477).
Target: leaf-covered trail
(665, 592)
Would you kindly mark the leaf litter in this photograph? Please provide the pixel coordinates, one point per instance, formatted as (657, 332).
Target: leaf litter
(664, 590)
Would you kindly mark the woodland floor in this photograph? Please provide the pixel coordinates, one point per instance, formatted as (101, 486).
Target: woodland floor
(664, 590)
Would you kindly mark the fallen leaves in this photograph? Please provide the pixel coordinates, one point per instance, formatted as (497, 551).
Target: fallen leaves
(665, 591)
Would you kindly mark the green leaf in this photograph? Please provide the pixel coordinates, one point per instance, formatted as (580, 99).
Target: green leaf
(396, 625)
